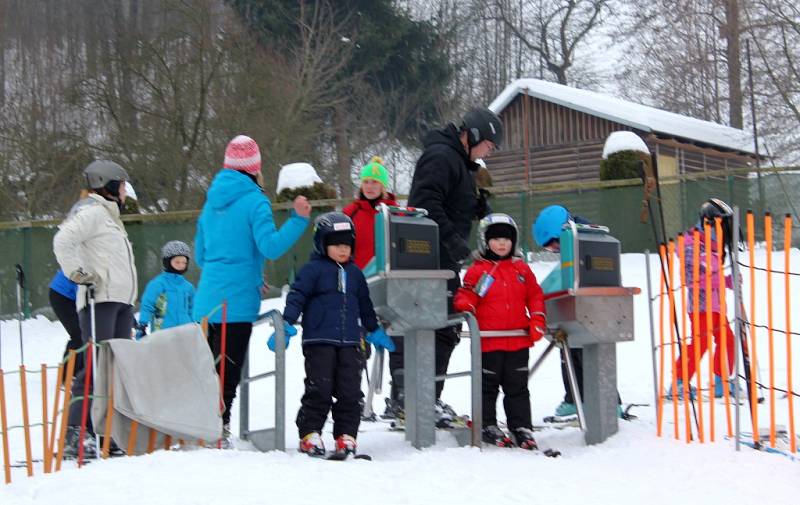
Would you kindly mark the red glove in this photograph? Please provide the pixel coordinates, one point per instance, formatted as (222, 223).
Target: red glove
(538, 327)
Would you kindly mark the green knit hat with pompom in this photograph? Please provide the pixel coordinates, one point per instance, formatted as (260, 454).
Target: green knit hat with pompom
(376, 171)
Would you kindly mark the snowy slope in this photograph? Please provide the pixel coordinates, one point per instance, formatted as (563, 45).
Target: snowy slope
(634, 466)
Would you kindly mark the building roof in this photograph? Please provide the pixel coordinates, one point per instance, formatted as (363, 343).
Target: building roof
(640, 117)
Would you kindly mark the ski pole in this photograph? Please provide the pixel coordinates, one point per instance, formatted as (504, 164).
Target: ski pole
(20, 287)
(93, 332)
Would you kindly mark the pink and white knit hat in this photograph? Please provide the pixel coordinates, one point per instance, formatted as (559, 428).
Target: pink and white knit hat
(242, 154)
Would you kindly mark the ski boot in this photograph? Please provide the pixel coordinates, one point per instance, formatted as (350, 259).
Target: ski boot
(394, 410)
(523, 437)
(312, 445)
(226, 441)
(445, 415)
(565, 409)
(692, 391)
(345, 446)
(719, 387)
(71, 444)
(114, 451)
(495, 436)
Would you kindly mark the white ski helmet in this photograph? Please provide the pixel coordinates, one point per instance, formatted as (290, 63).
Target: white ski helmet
(497, 219)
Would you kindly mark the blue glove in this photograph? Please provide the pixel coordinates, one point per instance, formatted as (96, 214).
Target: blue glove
(380, 340)
(141, 331)
(288, 330)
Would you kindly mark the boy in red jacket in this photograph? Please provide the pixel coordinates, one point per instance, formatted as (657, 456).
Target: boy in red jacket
(501, 290)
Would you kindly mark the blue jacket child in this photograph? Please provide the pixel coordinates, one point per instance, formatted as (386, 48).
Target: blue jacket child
(331, 293)
(168, 298)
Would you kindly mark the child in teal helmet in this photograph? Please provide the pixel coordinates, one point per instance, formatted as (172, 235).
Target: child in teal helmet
(546, 231)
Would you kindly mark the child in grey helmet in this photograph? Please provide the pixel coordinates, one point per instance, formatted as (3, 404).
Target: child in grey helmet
(168, 298)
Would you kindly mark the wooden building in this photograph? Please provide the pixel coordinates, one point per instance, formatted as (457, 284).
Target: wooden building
(558, 133)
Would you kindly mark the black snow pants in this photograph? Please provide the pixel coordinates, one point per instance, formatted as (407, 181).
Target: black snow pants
(67, 314)
(446, 340)
(112, 320)
(237, 341)
(331, 372)
(509, 370)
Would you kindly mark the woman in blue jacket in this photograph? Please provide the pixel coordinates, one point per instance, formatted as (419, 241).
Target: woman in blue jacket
(235, 235)
(168, 297)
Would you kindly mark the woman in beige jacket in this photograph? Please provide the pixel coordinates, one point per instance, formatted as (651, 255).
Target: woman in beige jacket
(92, 248)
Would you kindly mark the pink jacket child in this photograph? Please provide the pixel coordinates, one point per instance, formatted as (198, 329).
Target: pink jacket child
(709, 210)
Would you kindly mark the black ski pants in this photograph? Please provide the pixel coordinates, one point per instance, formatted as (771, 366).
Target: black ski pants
(446, 340)
(509, 370)
(331, 372)
(237, 341)
(112, 320)
(67, 314)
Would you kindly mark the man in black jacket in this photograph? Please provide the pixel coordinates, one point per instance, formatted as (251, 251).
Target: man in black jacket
(444, 185)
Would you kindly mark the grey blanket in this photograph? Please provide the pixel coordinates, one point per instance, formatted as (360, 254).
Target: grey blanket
(165, 382)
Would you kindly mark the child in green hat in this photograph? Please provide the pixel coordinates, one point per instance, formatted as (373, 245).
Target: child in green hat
(373, 190)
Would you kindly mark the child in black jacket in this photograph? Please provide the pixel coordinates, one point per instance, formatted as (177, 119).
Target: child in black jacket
(331, 293)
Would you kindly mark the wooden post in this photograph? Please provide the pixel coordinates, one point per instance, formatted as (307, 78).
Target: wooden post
(132, 438)
(26, 425)
(65, 410)
(48, 461)
(109, 415)
(46, 452)
(4, 428)
(151, 441)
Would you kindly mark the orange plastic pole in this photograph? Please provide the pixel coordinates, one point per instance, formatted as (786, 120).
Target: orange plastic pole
(787, 250)
(708, 264)
(132, 438)
(167, 442)
(751, 244)
(45, 449)
(671, 298)
(26, 424)
(768, 238)
(65, 410)
(48, 467)
(723, 329)
(663, 295)
(695, 329)
(109, 416)
(4, 427)
(684, 357)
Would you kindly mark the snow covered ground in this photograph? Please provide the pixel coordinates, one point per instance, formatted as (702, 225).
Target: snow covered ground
(633, 466)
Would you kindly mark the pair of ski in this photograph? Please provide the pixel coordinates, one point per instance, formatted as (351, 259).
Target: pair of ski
(340, 456)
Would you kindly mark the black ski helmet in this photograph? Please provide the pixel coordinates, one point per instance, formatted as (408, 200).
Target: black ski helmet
(482, 124)
(329, 225)
(714, 208)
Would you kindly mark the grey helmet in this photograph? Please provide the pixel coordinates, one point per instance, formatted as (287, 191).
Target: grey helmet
(170, 250)
(100, 172)
(497, 219)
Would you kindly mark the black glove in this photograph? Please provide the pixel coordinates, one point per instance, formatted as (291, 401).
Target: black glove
(457, 249)
(141, 330)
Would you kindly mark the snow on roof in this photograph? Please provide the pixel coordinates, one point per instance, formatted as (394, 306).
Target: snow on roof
(624, 141)
(641, 117)
(296, 175)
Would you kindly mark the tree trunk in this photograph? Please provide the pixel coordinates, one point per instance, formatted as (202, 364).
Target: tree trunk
(344, 156)
(734, 57)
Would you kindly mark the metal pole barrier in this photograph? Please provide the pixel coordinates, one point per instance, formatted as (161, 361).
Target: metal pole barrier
(93, 349)
(652, 329)
(573, 381)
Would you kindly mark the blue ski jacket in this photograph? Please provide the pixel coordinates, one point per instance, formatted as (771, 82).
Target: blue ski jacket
(167, 302)
(235, 235)
(332, 298)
